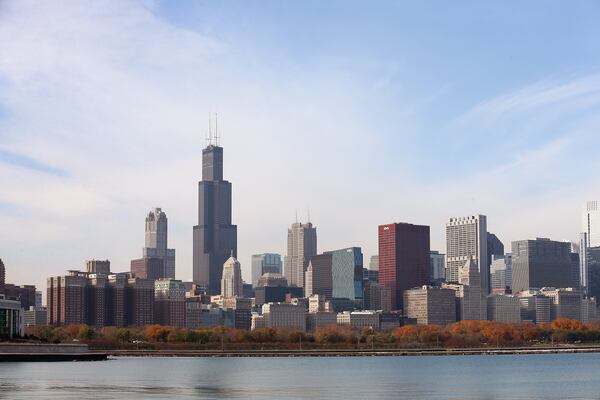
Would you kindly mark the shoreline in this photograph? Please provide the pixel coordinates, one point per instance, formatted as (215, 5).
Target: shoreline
(354, 353)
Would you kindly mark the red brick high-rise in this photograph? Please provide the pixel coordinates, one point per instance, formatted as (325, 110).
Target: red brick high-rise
(403, 258)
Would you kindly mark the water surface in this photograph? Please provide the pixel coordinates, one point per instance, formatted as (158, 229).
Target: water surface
(569, 376)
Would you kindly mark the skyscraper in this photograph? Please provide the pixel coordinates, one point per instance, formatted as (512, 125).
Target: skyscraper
(301, 246)
(438, 266)
(319, 277)
(231, 281)
(591, 223)
(584, 274)
(215, 238)
(494, 247)
(540, 263)
(467, 238)
(2, 274)
(472, 300)
(263, 264)
(169, 306)
(403, 259)
(347, 274)
(156, 242)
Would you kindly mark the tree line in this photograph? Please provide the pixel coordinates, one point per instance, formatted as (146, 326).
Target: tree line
(456, 335)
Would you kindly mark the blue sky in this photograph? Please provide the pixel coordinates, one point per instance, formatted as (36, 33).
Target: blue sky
(366, 112)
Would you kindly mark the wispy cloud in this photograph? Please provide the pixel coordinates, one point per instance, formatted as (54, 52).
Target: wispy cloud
(537, 96)
(23, 161)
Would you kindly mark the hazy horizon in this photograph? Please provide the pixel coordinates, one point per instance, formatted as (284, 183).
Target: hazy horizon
(366, 113)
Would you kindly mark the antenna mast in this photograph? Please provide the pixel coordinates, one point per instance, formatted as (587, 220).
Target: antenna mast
(209, 139)
(216, 130)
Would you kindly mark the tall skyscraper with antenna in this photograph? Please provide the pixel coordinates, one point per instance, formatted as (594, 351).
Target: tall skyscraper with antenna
(301, 246)
(215, 238)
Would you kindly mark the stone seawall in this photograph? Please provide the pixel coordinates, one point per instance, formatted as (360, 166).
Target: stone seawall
(12, 348)
(14, 352)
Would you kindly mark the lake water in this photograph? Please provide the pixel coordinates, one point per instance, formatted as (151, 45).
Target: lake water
(575, 376)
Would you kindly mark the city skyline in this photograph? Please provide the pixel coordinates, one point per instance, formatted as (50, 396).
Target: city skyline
(77, 126)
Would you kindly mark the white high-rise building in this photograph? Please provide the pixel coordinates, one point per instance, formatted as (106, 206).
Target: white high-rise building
(156, 241)
(231, 280)
(301, 246)
(591, 223)
(466, 238)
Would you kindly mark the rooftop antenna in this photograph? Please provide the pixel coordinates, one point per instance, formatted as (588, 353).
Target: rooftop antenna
(296, 216)
(210, 136)
(216, 131)
(308, 213)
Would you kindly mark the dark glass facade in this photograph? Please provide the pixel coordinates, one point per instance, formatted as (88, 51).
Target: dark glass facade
(403, 259)
(215, 238)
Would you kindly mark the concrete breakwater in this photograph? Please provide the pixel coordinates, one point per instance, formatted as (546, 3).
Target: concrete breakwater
(48, 352)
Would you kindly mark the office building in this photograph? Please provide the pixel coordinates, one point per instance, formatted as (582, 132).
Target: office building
(347, 274)
(35, 316)
(501, 272)
(591, 223)
(156, 236)
(494, 247)
(467, 238)
(438, 266)
(374, 263)
(169, 297)
(320, 319)
(272, 279)
(301, 247)
(377, 297)
(535, 307)
(97, 266)
(565, 303)
(284, 316)
(430, 305)
(359, 320)
(231, 281)
(540, 263)
(317, 303)
(403, 259)
(67, 300)
(589, 310)
(2, 274)
(370, 275)
(504, 308)
(319, 276)
(275, 294)
(99, 300)
(592, 256)
(38, 298)
(11, 319)
(215, 238)
(148, 268)
(472, 298)
(583, 263)
(574, 272)
(266, 263)
(139, 301)
(25, 294)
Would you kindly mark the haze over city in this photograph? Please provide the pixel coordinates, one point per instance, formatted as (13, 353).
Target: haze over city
(365, 113)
